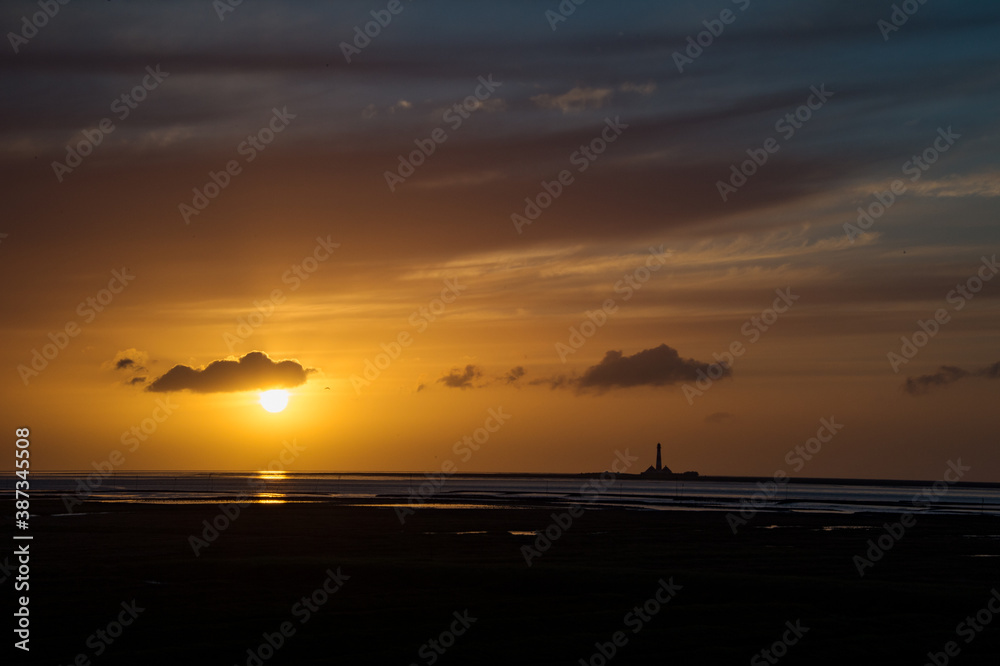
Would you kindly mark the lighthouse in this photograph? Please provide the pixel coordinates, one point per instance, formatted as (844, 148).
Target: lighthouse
(659, 471)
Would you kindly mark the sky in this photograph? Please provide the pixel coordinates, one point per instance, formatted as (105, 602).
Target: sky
(763, 234)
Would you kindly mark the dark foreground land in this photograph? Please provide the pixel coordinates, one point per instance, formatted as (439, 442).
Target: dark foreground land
(407, 582)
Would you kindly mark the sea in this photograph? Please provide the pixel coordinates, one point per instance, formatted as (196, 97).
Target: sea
(511, 491)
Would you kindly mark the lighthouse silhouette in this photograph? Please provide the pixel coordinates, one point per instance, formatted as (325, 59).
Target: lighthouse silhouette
(660, 471)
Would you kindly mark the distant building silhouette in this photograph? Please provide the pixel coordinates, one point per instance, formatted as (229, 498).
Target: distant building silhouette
(660, 471)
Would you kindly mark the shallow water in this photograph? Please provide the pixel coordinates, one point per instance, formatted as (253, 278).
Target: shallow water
(456, 491)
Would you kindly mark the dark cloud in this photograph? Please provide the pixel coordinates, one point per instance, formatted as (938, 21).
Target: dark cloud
(946, 375)
(555, 382)
(129, 366)
(467, 378)
(254, 371)
(719, 417)
(129, 360)
(990, 371)
(659, 366)
(514, 374)
(462, 379)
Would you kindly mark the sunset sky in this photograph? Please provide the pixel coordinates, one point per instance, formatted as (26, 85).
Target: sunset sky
(256, 193)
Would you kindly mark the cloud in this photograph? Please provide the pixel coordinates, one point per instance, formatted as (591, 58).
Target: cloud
(254, 371)
(556, 382)
(719, 417)
(401, 105)
(372, 110)
(467, 378)
(947, 375)
(459, 379)
(650, 367)
(128, 359)
(986, 184)
(574, 100)
(514, 375)
(658, 366)
(492, 105)
(130, 366)
(641, 88)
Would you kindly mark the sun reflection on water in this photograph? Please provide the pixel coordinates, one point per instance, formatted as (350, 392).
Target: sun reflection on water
(269, 477)
(269, 498)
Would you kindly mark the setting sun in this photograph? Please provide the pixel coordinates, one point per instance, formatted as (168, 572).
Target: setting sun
(274, 401)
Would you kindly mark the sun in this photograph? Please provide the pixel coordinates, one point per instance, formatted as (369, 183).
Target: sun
(274, 401)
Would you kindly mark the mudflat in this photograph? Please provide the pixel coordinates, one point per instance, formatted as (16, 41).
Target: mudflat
(332, 583)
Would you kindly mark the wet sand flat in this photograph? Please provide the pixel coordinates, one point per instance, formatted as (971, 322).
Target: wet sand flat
(332, 583)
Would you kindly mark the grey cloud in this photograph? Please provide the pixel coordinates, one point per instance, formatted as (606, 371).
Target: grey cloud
(254, 371)
(659, 366)
(461, 379)
(945, 376)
